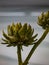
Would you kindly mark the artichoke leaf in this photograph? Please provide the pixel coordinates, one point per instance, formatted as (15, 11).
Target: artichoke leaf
(4, 43)
(5, 40)
(9, 30)
(9, 45)
(10, 38)
(23, 30)
(35, 36)
(6, 36)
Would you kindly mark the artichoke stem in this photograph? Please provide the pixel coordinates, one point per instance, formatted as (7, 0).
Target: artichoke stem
(19, 55)
(35, 46)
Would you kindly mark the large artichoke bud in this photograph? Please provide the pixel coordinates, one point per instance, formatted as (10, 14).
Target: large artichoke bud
(43, 20)
(19, 34)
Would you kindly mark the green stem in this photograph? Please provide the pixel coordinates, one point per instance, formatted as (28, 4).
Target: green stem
(19, 55)
(35, 46)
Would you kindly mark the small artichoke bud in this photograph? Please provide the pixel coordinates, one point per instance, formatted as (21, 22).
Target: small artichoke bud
(43, 20)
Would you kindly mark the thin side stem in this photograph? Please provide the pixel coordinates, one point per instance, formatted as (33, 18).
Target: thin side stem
(35, 46)
(19, 55)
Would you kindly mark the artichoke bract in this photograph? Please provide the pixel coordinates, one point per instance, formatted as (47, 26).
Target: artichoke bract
(43, 20)
(18, 34)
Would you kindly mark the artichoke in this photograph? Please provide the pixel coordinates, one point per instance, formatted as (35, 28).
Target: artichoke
(43, 20)
(18, 34)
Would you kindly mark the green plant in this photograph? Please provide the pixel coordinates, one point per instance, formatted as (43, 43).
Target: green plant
(22, 35)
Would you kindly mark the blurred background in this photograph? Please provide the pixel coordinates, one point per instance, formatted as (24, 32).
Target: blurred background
(23, 11)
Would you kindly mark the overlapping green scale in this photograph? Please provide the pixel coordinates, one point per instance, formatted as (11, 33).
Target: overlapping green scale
(18, 34)
(43, 20)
